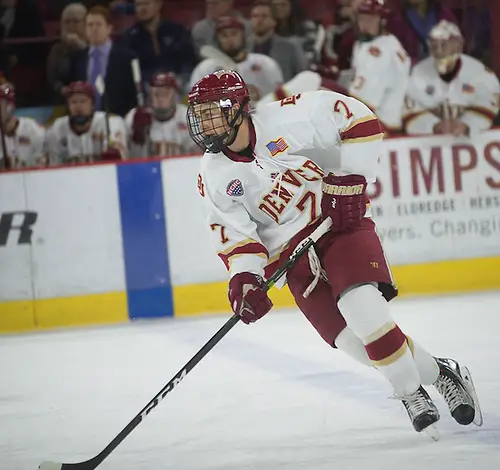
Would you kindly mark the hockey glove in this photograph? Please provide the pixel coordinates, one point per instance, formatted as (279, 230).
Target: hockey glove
(343, 200)
(247, 297)
(143, 118)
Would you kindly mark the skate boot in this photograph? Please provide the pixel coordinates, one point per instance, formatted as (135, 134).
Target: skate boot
(455, 385)
(421, 410)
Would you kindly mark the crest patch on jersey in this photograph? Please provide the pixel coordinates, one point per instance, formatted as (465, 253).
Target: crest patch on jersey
(430, 90)
(277, 146)
(468, 88)
(375, 51)
(235, 188)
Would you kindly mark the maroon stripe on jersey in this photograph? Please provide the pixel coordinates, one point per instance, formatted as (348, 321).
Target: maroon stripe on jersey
(369, 128)
(483, 111)
(248, 249)
(386, 345)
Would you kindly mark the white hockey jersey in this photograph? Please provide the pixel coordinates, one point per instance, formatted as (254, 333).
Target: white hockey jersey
(381, 74)
(472, 96)
(258, 70)
(65, 146)
(255, 207)
(26, 148)
(165, 137)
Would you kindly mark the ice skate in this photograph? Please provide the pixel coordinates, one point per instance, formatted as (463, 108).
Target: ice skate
(422, 412)
(455, 385)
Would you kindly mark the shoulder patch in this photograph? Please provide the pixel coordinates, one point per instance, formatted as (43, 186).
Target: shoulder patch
(235, 188)
(277, 146)
(375, 51)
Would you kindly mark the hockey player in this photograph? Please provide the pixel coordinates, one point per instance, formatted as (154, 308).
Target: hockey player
(85, 135)
(262, 73)
(381, 66)
(267, 180)
(159, 129)
(22, 137)
(450, 92)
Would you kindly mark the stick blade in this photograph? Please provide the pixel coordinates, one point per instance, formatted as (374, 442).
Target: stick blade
(50, 466)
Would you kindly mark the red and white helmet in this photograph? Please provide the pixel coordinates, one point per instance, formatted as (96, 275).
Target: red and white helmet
(217, 103)
(8, 93)
(445, 45)
(229, 22)
(163, 94)
(164, 80)
(372, 7)
(79, 87)
(8, 96)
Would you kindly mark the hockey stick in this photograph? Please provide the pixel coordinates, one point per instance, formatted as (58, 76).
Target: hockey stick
(136, 74)
(6, 158)
(278, 274)
(101, 89)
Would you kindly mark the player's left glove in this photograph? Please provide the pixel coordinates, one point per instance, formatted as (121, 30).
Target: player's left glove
(111, 154)
(247, 297)
(344, 200)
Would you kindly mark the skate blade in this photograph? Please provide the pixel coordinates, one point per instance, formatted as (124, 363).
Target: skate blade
(478, 414)
(433, 432)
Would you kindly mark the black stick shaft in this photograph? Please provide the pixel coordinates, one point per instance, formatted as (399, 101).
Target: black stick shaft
(98, 459)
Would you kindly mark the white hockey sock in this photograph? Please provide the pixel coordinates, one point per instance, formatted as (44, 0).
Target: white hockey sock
(350, 344)
(367, 314)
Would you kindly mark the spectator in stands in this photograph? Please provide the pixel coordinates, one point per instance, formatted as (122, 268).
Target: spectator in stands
(413, 22)
(289, 56)
(291, 23)
(111, 62)
(159, 44)
(203, 32)
(72, 40)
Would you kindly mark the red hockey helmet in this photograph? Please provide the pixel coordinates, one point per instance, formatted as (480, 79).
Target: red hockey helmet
(372, 7)
(163, 91)
(79, 87)
(228, 22)
(8, 92)
(217, 104)
(164, 80)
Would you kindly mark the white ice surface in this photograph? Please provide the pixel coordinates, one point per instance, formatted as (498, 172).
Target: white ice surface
(270, 396)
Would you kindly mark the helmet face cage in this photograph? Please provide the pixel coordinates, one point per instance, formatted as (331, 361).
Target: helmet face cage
(214, 124)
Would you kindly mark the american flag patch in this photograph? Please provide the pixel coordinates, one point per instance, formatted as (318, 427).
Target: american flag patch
(277, 146)
(468, 88)
(235, 188)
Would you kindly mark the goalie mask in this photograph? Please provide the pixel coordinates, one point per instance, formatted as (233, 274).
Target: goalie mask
(80, 101)
(217, 105)
(163, 93)
(445, 45)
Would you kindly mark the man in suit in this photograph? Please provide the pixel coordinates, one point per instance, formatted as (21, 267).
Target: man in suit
(289, 55)
(111, 62)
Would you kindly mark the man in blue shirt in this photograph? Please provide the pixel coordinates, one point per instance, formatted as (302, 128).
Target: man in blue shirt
(159, 44)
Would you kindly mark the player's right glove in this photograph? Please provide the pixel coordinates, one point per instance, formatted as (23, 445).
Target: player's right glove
(143, 118)
(247, 297)
(343, 200)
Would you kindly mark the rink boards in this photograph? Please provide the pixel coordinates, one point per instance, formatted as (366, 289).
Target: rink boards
(107, 243)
